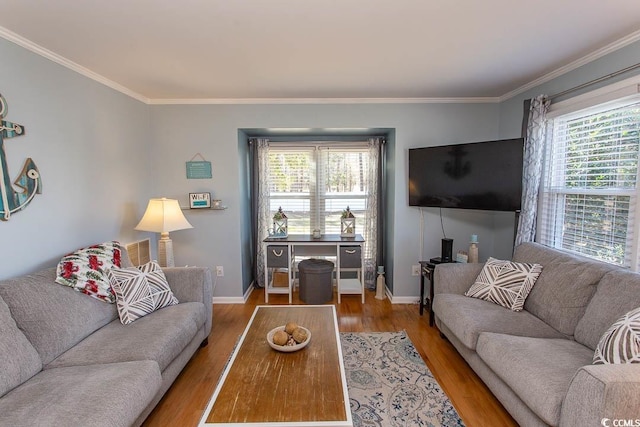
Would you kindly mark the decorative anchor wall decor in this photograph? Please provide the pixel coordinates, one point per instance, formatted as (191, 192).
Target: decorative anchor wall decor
(28, 181)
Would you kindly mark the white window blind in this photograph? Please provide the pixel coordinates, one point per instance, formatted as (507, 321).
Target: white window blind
(292, 186)
(589, 190)
(313, 185)
(342, 183)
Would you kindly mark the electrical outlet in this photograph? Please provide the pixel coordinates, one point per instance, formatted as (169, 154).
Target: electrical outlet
(415, 270)
(219, 271)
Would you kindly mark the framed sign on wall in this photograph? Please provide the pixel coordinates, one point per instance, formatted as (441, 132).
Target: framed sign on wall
(198, 169)
(200, 200)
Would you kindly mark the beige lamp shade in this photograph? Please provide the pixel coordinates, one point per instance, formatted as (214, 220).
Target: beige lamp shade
(163, 215)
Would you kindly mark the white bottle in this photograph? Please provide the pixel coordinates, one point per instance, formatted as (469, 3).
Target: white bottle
(473, 249)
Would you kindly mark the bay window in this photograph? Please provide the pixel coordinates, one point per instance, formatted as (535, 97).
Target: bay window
(313, 185)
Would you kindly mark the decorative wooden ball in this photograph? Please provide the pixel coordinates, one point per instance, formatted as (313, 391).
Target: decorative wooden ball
(299, 335)
(280, 338)
(290, 327)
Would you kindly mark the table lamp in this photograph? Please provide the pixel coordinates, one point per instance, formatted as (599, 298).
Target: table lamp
(162, 216)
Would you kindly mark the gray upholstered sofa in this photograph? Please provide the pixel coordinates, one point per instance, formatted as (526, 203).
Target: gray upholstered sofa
(538, 362)
(66, 360)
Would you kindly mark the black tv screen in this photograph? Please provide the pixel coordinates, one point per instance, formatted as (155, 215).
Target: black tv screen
(481, 175)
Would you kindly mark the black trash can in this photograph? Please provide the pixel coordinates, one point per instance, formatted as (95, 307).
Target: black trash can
(316, 281)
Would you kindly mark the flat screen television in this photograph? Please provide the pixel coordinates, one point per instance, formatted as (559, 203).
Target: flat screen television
(481, 175)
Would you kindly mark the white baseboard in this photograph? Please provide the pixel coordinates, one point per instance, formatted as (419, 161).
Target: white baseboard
(245, 297)
(228, 300)
(404, 300)
(234, 300)
(248, 293)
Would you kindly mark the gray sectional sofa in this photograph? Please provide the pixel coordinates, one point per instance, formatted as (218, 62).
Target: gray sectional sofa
(66, 360)
(538, 362)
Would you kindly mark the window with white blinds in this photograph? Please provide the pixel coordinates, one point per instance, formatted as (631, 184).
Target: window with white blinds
(313, 185)
(292, 186)
(590, 183)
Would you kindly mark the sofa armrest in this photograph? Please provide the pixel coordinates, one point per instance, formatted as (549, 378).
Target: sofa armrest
(455, 278)
(192, 284)
(602, 391)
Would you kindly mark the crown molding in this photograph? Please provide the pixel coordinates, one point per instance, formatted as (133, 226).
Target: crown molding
(253, 101)
(612, 47)
(52, 56)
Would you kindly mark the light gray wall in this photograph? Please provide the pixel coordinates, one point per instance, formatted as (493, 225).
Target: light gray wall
(244, 207)
(89, 143)
(181, 131)
(389, 190)
(428, 125)
(102, 155)
(511, 109)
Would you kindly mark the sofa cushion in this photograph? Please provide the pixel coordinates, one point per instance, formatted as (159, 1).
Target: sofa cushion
(54, 318)
(20, 360)
(85, 270)
(140, 291)
(618, 293)
(468, 317)
(159, 336)
(505, 283)
(538, 370)
(109, 395)
(565, 286)
(621, 342)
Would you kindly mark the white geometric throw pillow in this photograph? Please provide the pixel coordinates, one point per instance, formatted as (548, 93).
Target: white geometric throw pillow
(621, 342)
(160, 289)
(505, 283)
(140, 291)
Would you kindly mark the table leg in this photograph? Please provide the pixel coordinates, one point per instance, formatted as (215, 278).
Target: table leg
(361, 273)
(290, 269)
(421, 292)
(431, 294)
(266, 275)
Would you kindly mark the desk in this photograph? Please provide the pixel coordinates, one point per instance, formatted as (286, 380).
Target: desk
(281, 253)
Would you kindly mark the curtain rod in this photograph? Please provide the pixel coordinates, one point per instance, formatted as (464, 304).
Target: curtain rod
(336, 141)
(595, 81)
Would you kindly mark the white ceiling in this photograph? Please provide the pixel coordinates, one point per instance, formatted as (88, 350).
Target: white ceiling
(282, 49)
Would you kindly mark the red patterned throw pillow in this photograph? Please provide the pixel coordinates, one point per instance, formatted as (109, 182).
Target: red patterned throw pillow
(85, 270)
(140, 291)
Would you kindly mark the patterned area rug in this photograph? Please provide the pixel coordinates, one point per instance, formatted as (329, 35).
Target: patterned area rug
(390, 385)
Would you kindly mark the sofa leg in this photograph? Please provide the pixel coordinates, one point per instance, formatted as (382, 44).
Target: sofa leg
(443, 336)
(204, 342)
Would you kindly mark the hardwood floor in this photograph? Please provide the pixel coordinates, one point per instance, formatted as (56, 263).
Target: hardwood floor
(185, 401)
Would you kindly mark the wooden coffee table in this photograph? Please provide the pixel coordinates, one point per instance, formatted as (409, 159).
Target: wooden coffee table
(264, 387)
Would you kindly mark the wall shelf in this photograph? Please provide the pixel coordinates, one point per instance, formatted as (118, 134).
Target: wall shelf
(187, 208)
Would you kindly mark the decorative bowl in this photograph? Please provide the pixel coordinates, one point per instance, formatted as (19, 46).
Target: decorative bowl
(287, 348)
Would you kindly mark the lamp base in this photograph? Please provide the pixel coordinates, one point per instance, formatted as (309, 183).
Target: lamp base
(165, 251)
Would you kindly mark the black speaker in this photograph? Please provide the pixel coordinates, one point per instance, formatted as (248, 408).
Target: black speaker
(447, 250)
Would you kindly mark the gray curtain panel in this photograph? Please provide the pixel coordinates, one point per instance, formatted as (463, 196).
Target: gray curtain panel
(259, 204)
(532, 168)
